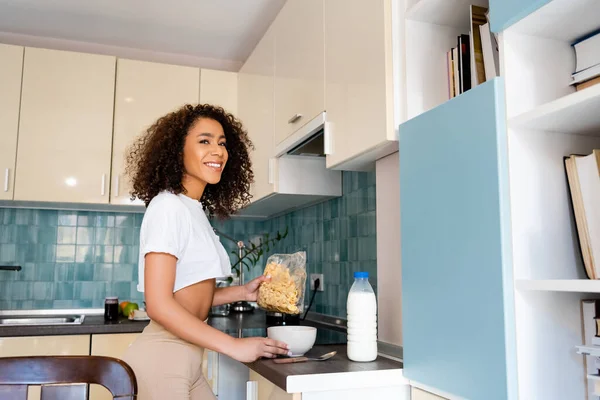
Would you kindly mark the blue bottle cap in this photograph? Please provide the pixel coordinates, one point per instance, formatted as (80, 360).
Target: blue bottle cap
(361, 275)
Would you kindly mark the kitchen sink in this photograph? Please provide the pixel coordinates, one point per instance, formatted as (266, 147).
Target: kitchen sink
(27, 320)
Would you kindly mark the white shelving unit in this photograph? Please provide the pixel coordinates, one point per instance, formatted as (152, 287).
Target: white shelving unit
(548, 120)
(560, 285)
(431, 30)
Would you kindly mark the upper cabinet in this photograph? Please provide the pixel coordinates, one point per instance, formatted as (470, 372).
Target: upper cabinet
(256, 112)
(219, 88)
(359, 89)
(145, 91)
(65, 129)
(299, 66)
(10, 97)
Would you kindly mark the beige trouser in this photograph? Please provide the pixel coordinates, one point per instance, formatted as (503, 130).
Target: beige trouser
(167, 367)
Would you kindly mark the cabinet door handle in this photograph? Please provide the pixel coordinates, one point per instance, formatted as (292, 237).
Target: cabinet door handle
(103, 186)
(6, 176)
(251, 390)
(295, 118)
(327, 138)
(271, 170)
(117, 186)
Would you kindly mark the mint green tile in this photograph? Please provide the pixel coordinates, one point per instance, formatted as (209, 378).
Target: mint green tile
(104, 220)
(44, 272)
(7, 216)
(138, 218)
(67, 218)
(84, 254)
(27, 272)
(85, 304)
(134, 254)
(65, 253)
(89, 291)
(45, 252)
(8, 252)
(124, 220)
(63, 290)
(43, 290)
(104, 236)
(352, 226)
(119, 289)
(86, 218)
(103, 254)
(103, 272)
(43, 304)
(27, 234)
(26, 253)
(21, 290)
(47, 234)
(124, 236)
(23, 304)
(371, 198)
(64, 272)
(46, 218)
(23, 216)
(84, 272)
(63, 304)
(85, 235)
(124, 273)
(8, 234)
(5, 290)
(66, 235)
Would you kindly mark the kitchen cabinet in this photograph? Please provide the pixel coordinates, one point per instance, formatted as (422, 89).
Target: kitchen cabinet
(454, 194)
(65, 127)
(10, 98)
(144, 92)
(299, 66)
(24, 346)
(219, 88)
(109, 345)
(256, 112)
(418, 394)
(359, 86)
(269, 391)
(210, 369)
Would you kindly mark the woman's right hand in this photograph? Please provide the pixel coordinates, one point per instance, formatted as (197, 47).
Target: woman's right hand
(251, 349)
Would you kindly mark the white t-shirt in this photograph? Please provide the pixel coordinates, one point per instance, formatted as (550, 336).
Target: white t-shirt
(177, 225)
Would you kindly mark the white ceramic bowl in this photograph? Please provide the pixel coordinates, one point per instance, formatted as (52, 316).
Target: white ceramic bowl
(300, 338)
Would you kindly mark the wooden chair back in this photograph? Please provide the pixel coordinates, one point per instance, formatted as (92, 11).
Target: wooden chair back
(59, 376)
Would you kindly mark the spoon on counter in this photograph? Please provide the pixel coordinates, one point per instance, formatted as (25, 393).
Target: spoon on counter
(302, 359)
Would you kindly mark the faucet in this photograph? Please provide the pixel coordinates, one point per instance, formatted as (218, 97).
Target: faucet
(10, 267)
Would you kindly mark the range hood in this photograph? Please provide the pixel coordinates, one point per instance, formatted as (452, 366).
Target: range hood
(299, 173)
(311, 140)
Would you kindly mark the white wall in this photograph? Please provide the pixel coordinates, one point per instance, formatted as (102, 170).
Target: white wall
(389, 278)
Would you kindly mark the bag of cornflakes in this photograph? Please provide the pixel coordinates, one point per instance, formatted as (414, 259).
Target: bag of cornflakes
(285, 292)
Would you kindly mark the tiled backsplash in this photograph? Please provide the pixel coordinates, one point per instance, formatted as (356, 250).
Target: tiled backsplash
(74, 259)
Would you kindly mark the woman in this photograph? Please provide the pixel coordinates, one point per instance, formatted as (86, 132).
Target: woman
(189, 161)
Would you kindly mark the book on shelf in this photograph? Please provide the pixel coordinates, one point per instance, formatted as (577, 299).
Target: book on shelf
(587, 61)
(475, 58)
(590, 315)
(583, 178)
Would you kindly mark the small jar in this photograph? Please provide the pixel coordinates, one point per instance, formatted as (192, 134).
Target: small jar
(111, 308)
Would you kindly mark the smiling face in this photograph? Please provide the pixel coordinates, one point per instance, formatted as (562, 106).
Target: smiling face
(204, 156)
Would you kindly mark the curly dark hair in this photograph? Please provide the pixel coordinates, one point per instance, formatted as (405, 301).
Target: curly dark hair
(154, 162)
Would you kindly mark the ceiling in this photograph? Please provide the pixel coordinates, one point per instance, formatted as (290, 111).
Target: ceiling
(207, 33)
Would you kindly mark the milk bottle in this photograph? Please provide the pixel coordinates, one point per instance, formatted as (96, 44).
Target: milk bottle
(362, 320)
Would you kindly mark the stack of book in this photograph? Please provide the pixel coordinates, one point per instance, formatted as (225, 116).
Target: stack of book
(475, 58)
(587, 61)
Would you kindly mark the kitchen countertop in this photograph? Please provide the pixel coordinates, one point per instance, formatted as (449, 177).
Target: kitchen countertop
(337, 373)
(243, 325)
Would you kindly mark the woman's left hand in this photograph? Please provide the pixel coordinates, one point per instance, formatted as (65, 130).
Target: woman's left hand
(251, 288)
